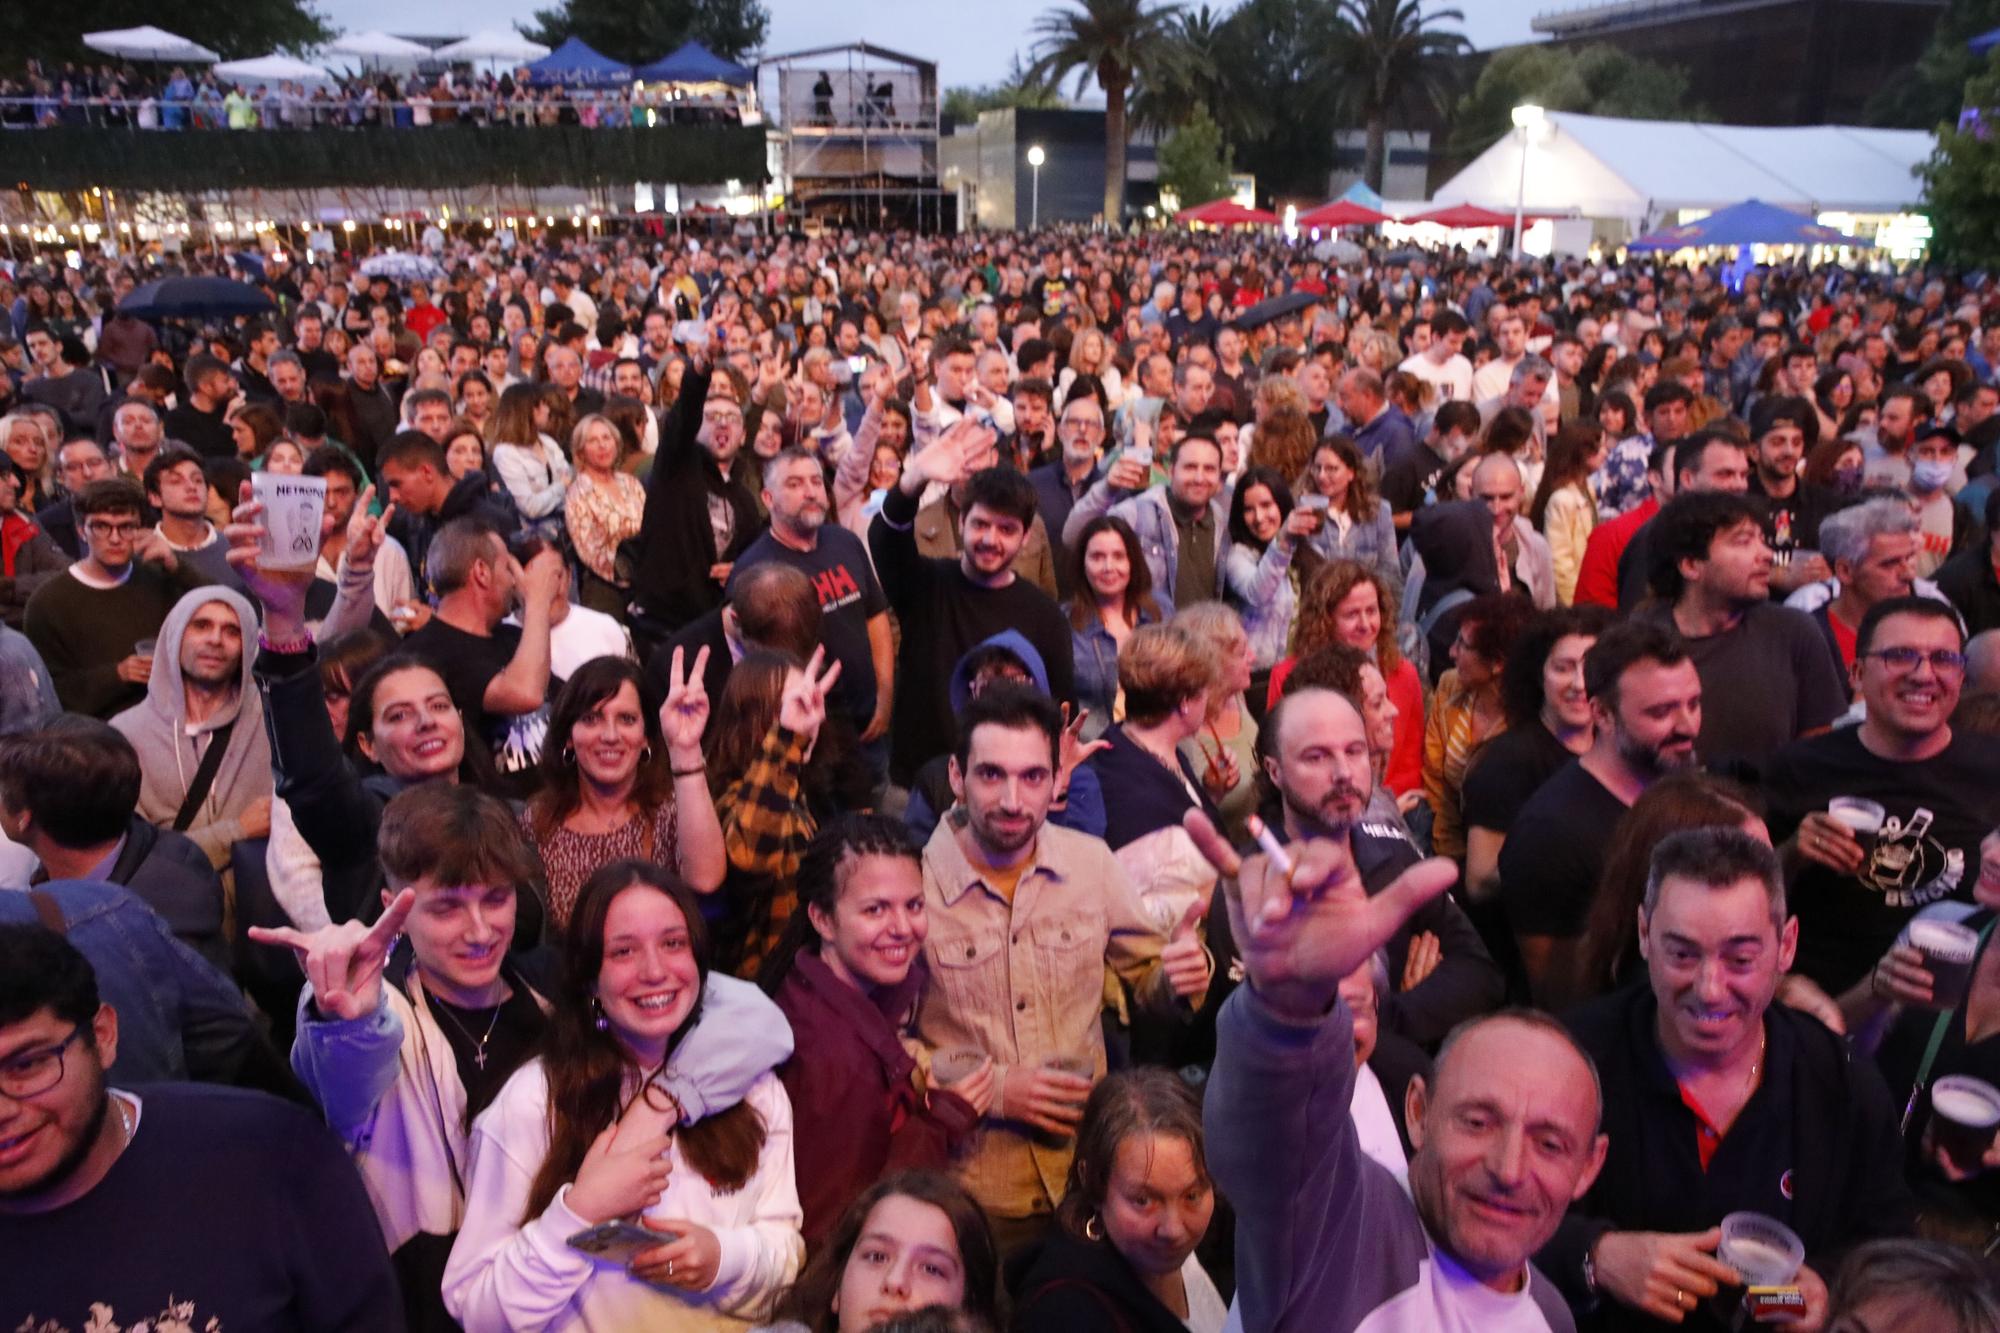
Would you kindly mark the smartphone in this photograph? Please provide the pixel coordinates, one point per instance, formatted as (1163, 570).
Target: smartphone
(619, 1242)
(1315, 502)
(691, 333)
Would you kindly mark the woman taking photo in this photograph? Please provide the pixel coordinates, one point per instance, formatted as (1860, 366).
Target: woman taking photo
(1564, 509)
(588, 1133)
(847, 974)
(619, 785)
(528, 460)
(1357, 525)
(1138, 1202)
(1111, 595)
(1224, 751)
(916, 1241)
(603, 510)
(1270, 556)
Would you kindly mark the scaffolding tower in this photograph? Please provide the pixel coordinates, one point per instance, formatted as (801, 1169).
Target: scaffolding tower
(855, 134)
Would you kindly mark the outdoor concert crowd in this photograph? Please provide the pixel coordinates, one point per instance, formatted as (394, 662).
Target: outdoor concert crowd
(1053, 781)
(177, 98)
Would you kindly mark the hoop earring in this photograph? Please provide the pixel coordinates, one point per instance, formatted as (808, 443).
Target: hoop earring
(602, 1024)
(569, 755)
(1093, 1227)
(646, 753)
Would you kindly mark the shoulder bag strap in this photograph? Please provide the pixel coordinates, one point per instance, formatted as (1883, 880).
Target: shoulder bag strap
(204, 776)
(1936, 1043)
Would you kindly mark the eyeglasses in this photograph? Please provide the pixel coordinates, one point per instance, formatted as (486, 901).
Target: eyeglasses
(1943, 660)
(35, 1072)
(123, 532)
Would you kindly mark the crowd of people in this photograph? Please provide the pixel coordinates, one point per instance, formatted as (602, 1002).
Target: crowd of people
(195, 98)
(888, 782)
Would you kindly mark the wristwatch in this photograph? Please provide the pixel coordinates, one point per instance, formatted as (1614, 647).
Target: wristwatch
(1590, 1269)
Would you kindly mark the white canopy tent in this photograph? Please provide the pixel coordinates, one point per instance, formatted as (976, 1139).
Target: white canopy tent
(149, 43)
(493, 44)
(1644, 171)
(377, 46)
(274, 68)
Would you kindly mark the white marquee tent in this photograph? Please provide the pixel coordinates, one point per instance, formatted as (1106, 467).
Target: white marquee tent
(1643, 171)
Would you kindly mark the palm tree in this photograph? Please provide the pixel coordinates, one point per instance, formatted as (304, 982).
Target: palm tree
(1123, 43)
(1386, 52)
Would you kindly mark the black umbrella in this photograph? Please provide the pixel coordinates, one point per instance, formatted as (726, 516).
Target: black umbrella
(1276, 307)
(194, 298)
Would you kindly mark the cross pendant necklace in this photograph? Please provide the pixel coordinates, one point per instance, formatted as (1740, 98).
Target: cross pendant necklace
(478, 1043)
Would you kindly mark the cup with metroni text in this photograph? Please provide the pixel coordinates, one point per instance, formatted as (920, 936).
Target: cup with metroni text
(1949, 949)
(1861, 817)
(955, 1064)
(1767, 1255)
(1965, 1117)
(293, 507)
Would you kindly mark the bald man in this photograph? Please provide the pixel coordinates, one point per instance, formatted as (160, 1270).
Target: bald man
(1320, 764)
(1496, 483)
(1506, 1132)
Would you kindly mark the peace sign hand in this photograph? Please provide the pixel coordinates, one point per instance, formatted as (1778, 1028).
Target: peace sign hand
(366, 532)
(1301, 932)
(684, 716)
(344, 962)
(802, 705)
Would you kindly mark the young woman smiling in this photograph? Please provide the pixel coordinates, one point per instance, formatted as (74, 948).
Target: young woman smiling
(617, 783)
(590, 1133)
(847, 974)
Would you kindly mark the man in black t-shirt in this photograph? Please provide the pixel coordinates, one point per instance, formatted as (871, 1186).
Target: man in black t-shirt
(498, 675)
(1782, 429)
(854, 615)
(1939, 791)
(1407, 481)
(1646, 704)
(187, 1207)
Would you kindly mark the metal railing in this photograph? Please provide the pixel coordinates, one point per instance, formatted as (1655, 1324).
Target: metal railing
(342, 111)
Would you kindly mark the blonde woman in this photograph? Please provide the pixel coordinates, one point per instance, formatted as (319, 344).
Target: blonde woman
(1090, 354)
(604, 507)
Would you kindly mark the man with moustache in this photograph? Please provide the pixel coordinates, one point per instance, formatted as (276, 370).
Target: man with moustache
(1646, 708)
(1718, 1101)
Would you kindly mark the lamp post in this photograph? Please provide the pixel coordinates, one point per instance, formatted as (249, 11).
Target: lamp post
(1035, 159)
(1527, 118)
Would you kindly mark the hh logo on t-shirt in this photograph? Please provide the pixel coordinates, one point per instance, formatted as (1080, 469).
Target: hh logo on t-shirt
(1908, 867)
(836, 588)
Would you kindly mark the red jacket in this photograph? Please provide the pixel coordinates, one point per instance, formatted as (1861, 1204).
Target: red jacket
(857, 1114)
(1597, 579)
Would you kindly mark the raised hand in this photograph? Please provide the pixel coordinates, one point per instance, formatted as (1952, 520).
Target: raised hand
(281, 592)
(684, 716)
(344, 962)
(1300, 933)
(802, 705)
(948, 458)
(1072, 749)
(366, 532)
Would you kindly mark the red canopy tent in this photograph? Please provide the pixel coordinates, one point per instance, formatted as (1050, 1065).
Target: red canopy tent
(1469, 215)
(1343, 213)
(1226, 213)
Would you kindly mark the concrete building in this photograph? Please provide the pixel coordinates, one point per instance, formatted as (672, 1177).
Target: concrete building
(1406, 174)
(985, 167)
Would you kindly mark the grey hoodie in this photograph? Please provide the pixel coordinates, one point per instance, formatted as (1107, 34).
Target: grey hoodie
(170, 752)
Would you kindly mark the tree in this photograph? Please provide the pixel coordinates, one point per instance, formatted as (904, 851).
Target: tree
(1194, 164)
(1598, 80)
(1929, 92)
(1192, 83)
(1386, 54)
(1962, 179)
(235, 28)
(1277, 105)
(638, 31)
(1016, 90)
(1123, 44)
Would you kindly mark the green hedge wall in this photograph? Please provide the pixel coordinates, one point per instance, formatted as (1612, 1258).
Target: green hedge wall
(70, 158)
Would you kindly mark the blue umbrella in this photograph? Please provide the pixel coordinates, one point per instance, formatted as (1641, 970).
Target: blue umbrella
(694, 63)
(1749, 223)
(195, 298)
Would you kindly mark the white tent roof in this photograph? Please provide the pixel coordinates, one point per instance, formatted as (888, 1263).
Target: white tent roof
(377, 45)
(1643, 170)
(149, 43)
(274, 68)
(493, 44)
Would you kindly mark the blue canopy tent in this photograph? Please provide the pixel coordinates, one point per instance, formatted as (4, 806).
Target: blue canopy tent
(1984, 42)
(1749, 223)
(574, 63)
(695, 63)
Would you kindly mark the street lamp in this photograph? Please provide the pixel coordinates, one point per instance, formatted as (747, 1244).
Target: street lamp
(1527, 119)
(1035, 159)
